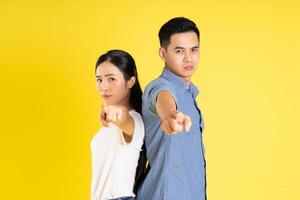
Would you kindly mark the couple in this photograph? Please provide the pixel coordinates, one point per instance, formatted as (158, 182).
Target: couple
(170, 130)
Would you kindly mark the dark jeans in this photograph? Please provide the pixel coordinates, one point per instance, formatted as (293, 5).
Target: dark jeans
(124, 198)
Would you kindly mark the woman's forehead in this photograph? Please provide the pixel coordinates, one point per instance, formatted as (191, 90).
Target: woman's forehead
(107, 68)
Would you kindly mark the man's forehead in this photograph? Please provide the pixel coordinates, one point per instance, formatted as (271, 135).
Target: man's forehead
(187, 39)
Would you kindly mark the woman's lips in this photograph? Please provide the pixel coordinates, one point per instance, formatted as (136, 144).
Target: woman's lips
(106, 96)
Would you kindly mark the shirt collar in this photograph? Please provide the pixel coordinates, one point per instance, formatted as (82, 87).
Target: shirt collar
(179, 83)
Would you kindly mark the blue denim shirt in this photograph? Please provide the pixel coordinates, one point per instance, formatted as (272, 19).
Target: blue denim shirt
(177, 161)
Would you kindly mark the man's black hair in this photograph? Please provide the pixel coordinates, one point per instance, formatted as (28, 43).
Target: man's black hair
(175, 25)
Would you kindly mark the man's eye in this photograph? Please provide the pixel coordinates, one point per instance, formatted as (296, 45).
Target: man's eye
(179, 51)
(195, 50)
(99, 80)
(111, 79)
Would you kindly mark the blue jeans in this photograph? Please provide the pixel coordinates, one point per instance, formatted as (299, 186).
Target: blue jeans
(124, 198)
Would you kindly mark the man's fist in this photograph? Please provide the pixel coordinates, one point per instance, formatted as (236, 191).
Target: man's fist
(175, 122)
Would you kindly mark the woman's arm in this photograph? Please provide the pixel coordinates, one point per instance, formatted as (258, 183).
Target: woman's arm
(119, 116)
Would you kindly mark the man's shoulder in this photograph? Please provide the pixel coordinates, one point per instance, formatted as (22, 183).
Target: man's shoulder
(158, 82)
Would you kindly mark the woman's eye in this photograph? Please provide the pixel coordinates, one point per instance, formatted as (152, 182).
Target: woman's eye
(99, 80)
(111, 79)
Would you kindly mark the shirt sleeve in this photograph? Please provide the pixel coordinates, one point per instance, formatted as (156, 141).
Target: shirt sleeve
(152, 91)
(138, 133)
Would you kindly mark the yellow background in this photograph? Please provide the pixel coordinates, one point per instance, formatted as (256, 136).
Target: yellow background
(248, 77)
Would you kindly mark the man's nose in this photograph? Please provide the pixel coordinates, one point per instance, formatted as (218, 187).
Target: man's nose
(187, 56)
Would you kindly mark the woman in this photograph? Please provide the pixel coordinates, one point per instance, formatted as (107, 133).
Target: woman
(117, 146)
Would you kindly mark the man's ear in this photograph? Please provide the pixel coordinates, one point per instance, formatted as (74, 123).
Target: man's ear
(162, 53)
(131, 81)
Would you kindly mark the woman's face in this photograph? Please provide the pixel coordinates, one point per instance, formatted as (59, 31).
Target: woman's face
(113, 88)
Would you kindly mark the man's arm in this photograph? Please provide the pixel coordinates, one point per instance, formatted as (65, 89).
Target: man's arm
(173, 121)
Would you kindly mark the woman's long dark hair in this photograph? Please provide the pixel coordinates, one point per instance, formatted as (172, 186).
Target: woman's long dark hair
(126, 64)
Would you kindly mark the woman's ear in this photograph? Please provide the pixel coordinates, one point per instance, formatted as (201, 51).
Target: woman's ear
(131, 81)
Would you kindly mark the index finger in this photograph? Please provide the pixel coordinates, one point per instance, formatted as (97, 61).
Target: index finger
(187, 123)
(104, 107)
(179, 117)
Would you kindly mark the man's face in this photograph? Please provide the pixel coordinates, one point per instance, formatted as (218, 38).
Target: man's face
(182, 54)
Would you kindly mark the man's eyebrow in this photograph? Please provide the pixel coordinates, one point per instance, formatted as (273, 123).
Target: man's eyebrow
(197, 46)
(178, 48)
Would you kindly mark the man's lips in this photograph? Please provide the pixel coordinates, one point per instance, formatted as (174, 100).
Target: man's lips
(189, 67)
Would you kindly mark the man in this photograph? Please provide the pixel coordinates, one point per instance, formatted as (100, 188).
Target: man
(173, 120)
